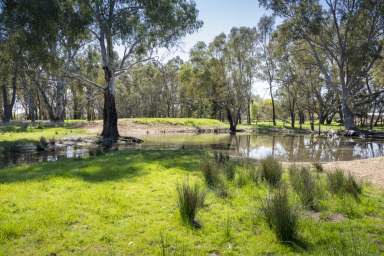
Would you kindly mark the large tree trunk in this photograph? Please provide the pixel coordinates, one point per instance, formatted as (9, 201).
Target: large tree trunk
(110, 130)
(249, 112)
(348, 117)
(273, 104)
(8, 106)
(232, 120)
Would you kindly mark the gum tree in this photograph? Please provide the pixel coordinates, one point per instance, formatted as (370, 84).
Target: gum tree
(137, 27)
(347, 33)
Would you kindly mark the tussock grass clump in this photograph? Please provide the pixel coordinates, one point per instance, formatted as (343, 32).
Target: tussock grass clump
(254, 173)
(340, 183)
(214, 178)
(221, 158)
(280, 216)
(271, 171)
(210, 173)
(229, 170)
(353, 187)
(190, 198)
(305, 185)
(241, 178)
(318, 167)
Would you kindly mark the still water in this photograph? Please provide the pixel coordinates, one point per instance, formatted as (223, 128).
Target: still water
(307, 148)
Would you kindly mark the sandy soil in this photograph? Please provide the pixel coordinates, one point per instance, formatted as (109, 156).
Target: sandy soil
(129, 128)
(366, 170)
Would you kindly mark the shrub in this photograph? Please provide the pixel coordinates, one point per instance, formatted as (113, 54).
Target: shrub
(339, 183)
(271, 171)
(318, 167)
(280, 216)
(190, 198)
(304, 184)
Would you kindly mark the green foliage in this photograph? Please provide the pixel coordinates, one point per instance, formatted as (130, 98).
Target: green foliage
(190, 198)
(271, 171)
(305, 185)
(280, 216)
(195, 122)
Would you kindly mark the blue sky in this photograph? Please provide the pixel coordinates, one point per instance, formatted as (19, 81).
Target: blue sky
(220, 16)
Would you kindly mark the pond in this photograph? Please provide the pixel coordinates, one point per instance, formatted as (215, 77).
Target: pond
(294, 148)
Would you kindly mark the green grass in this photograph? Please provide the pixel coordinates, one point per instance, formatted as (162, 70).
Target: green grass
(280, 124)
(17, 132)
(194, 122)
(125, 203)
(306, 126)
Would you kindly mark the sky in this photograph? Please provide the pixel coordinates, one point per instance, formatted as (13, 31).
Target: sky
(220, 16)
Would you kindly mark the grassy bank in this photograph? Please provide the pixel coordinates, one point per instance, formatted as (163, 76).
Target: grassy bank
(306, 126)
(29, 132)
(192, 122)
(125, 203)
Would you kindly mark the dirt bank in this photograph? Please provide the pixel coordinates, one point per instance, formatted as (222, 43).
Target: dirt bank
(128, 127)
(366, 170)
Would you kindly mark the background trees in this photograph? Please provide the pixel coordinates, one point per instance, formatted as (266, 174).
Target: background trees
(96, 60)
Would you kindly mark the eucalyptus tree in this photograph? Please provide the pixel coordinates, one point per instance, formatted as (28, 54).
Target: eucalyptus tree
(348, 33)
(267, 66)
(138, 27)
(233, 60)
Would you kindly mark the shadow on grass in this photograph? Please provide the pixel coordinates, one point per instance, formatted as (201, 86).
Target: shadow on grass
(113, 166)
(298, 245)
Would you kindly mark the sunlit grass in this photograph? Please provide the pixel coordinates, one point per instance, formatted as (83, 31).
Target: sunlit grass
(17, 132)
(125, 203)
(195, 122)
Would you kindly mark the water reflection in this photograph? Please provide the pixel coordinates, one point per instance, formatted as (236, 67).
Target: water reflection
(284, 147)
(258, 146)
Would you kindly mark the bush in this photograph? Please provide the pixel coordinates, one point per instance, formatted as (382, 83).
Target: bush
(271, 171)
(280, 216)
(190, 198)
(304, 184)
(339, 183)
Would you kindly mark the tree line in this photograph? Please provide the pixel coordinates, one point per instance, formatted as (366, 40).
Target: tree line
(322, 61)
